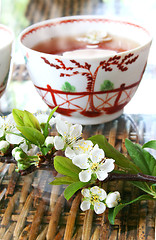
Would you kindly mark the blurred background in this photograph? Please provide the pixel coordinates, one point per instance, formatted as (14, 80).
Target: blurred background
(19, 14)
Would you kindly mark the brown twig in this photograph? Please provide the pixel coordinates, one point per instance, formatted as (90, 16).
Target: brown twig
(72, 217)
(7, 215)
(23, 215)
(87, 225)
(37, 220)
(54, 219)
(131, 177)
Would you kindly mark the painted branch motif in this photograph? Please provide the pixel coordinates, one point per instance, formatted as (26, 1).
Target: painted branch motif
(122, 65)
(107, 87)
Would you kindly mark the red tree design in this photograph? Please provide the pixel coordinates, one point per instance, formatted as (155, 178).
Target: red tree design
(106, 65)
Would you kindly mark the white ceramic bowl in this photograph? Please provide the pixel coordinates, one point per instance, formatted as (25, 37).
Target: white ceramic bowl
(85, 101)
(6, 40)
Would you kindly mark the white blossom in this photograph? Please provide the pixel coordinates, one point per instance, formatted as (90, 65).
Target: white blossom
(95, 37)
(93, 163)
(8, 130)
(69, 133)
(79, 147)
(113, 199)
(94, 197)
(43, 117)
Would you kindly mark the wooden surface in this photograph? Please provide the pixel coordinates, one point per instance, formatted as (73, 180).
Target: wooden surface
(33, 209)
(39, 10)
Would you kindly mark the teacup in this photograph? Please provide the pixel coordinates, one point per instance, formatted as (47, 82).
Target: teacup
(6, 41)
(90, 82)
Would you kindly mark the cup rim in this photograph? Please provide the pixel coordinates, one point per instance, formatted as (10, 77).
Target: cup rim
(78, 17)
(10, 31)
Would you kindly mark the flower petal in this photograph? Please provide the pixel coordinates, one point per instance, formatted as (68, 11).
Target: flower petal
(101, 175)
(1, 121)
(103, 195)
(58, 143)
(75, 131)
(85, 175)
(70, 153)
(42, 117)
(12, 138)
(9, 120)
(24, 146)
(2, 132)
(82, 146)
(108, 165)
(81, 161)
(97, 154)
(85, 205)
(62, 128)
(49, 140)
(95, 190)
(85, 192)
(99, 207)
(52, 121)
(99, 192)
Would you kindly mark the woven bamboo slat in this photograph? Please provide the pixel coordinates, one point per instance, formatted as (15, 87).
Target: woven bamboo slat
(33, 209)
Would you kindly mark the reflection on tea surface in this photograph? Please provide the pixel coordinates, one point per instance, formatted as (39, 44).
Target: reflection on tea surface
(94, 40)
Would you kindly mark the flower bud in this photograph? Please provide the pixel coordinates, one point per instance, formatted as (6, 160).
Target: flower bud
(113, 199)
(22, 166)
(4, 146)
(18, 154)
(16, 149)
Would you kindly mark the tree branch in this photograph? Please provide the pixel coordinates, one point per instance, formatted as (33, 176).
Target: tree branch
(131, 177)
(47, 164)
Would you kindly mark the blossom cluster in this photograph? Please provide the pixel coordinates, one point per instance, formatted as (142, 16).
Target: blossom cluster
(16, 136)
(98, 199)
(95, 37)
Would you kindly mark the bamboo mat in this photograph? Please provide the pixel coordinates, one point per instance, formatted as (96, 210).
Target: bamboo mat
(39, 10)
(32, 209)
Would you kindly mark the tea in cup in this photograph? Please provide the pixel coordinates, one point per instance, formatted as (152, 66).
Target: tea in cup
(88, 66)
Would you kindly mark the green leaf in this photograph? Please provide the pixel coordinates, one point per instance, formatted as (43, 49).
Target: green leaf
(150, 160)
(111, 152)
(32, 135)
(73, 188)
(143, 186)
(139, 156)
(65, 167)
(107, 85)
(150, 144)
(154, 171)
(62, 180)
(30, 120)
(114, 211)
(153, 188)
(45, 150)
(67, 87)
(45, 131)
(18, 116)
